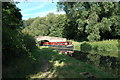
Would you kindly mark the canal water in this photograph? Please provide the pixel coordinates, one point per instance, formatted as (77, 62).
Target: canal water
(105, 63)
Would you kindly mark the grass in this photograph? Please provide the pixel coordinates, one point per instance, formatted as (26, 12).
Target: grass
(45, 62)
(105, 48)
(106, 45)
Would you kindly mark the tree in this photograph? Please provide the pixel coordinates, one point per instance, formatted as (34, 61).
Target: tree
(96, 21)
(56, 28)
(37, 27)
(50, 25)
(11, 17)
(15, 44)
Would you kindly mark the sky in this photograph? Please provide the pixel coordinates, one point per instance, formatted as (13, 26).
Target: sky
(35, 9)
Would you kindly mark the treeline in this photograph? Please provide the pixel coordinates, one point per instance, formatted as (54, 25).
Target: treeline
(50, 25)
(15, 44)
(91, 21)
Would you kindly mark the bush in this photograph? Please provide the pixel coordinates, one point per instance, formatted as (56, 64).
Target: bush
(85, 47)
(15, 45)
(28, 42)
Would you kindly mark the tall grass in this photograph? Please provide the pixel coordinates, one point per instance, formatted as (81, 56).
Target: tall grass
(105, 47)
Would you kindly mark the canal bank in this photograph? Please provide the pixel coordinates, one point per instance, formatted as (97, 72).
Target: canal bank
(104, 48)
(102, 54)
(45, 62)
(105, 63)
(63, 66)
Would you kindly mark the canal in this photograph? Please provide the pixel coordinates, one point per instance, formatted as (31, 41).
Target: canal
(105, 63)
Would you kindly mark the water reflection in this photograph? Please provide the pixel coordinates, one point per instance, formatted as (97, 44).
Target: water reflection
(65, 50)
(98, 59)
(106, 63)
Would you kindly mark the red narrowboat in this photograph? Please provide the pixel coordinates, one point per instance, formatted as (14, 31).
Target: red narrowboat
(67, 44)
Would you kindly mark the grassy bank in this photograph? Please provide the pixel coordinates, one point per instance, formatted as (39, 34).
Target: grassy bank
(45, 62)
(106, 47)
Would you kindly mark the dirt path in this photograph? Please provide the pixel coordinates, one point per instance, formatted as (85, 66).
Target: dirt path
(45, 69)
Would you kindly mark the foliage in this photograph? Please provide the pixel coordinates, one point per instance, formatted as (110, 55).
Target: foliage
(15, 44)
(28, 22)
(51, 25)
(94, 21)
(82, 21)
(57, 27)
(11, 17)
(105, 47)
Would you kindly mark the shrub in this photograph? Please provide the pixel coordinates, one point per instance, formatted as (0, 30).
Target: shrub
(28, 42)
(85, 47)
(15, 44)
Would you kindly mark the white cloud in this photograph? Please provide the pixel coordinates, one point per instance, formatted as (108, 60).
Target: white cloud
(27, 14)
(41, 14)
(34, 8)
